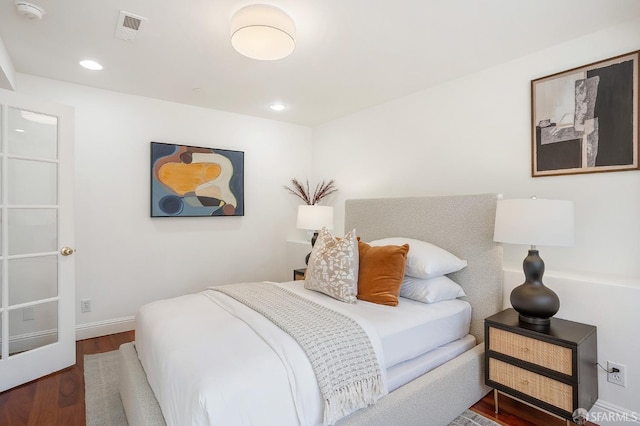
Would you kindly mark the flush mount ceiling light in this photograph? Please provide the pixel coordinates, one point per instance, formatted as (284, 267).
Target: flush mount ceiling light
(91, 65)
(263, 32)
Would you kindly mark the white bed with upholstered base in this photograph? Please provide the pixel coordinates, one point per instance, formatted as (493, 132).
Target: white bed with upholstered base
(460, 224)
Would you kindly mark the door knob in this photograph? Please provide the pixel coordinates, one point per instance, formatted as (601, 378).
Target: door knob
(66, 251)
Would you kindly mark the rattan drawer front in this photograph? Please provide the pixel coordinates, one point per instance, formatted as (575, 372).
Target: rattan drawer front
(540, 387)
(554, 357)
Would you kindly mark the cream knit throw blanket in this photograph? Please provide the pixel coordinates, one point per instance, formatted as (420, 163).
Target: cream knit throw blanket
(339, 350)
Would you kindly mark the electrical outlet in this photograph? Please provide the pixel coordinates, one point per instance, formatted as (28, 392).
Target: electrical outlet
(27, 313)
(85, 306)
(618, 377)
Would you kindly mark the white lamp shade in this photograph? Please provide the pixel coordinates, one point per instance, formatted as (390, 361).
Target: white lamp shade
(263, 32)
(534, 222)
(315, 217)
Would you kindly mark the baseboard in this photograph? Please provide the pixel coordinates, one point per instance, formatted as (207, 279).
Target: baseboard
(606, 414)
(103, 328)
(27, 341)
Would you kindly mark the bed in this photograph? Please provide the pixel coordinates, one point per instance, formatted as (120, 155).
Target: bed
(459, 224)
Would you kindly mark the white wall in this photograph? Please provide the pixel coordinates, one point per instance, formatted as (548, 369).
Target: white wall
(472, 135)
(125, 258)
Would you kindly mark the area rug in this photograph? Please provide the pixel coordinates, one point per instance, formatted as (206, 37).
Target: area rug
(102, 398)
(470, 418)
(104, 407)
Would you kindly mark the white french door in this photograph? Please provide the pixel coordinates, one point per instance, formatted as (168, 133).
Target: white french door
(37, 316)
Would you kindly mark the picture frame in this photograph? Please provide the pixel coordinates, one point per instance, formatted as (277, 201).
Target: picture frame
(190, 181)
(585, 120)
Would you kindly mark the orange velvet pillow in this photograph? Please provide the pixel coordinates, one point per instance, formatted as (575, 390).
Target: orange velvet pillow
(380, 273)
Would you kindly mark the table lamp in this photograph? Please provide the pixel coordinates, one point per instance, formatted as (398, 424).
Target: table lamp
(313, 218)
(534, 222)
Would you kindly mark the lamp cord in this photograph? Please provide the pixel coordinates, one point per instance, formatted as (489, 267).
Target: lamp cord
(613, 370)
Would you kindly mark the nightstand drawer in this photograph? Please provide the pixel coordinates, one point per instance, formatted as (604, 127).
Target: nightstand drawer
(553, 357)
(540, 387)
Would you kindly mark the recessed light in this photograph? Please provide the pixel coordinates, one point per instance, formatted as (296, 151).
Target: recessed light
(20, 130)
(91, 65)
(277, 107)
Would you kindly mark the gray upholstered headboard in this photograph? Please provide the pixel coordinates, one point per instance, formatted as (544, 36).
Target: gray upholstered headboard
(462, 225)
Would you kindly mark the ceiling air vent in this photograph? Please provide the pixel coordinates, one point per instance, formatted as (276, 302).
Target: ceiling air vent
(128, 26)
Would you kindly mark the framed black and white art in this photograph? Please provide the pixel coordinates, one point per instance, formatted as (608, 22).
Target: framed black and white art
(585, 120)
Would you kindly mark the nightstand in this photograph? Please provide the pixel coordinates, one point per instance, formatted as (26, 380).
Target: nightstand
(298, 274)
(553, 369)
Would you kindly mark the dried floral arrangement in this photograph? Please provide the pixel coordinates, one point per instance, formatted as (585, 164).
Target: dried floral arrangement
(323, 190)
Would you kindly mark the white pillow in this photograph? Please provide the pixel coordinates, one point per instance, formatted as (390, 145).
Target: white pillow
(333, 266)
(431, 290)
(425, 260)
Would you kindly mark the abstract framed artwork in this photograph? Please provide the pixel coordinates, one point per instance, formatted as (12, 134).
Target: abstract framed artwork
(585, 120)
(188, 181)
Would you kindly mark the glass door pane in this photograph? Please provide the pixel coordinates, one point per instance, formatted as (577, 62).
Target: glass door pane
(32, 182)
(32, 327)
(32, 134)
(32, 279)
(32, 231)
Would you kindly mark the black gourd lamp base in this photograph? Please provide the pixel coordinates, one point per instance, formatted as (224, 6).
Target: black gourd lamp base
(534, 320)
(535, 302)
(313, 243)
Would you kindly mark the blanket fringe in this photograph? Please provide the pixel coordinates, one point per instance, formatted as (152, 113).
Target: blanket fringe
(352, 397)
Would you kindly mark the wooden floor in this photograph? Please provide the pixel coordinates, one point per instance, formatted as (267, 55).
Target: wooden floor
(58, 399)
(516, 413)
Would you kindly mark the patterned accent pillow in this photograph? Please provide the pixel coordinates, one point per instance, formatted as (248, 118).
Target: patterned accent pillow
(333, 266)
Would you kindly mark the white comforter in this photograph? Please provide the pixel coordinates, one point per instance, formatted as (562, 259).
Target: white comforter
(208, 367)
